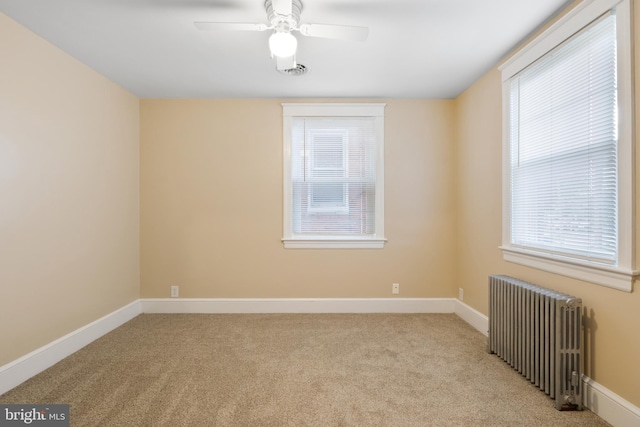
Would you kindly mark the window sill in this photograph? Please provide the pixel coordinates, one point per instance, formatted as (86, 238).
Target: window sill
(333, 243)
(613, 277)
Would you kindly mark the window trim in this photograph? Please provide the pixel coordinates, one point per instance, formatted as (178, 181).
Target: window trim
(622, 275)
(291, 110)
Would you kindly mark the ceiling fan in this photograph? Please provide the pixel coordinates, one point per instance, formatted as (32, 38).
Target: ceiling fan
(284, 17)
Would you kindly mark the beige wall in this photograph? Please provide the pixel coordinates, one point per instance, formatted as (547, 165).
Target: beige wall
(211, 206)
(612, 317)
(69, 234)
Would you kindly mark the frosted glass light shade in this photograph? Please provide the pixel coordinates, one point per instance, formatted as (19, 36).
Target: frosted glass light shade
(283, 44)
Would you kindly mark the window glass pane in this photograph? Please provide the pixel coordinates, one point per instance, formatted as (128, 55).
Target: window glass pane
(333, 176)
(563, 148)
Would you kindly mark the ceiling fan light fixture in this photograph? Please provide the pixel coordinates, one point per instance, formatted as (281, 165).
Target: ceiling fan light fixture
(283, 44)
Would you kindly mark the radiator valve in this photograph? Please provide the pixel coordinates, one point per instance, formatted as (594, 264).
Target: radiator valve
(575, 379)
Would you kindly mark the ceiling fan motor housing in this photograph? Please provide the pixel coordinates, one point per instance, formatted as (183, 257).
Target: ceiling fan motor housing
(292, 20)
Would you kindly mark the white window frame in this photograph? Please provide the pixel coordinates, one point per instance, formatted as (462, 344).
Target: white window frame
(620, 276)
(295, 241)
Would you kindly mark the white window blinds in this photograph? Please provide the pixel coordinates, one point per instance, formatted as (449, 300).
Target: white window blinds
(563, 148)
(333, 174)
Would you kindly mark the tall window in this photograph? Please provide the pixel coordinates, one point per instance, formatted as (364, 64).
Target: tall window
(333, 184)
(569, 187)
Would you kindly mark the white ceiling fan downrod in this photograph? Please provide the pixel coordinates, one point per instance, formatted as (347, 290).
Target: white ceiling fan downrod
(292, 19)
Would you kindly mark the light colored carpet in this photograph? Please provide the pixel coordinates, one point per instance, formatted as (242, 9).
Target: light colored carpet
(293, 370)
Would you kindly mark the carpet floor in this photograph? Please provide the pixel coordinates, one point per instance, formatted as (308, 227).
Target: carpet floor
(293, 370)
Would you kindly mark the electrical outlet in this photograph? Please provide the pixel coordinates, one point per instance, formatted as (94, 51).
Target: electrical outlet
(461, 294)
(395, 288)
(175, 291)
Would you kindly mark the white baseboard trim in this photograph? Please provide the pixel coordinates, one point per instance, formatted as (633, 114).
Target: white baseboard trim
(297, 305)
(608, 405)
(20, 370)
(472, 317)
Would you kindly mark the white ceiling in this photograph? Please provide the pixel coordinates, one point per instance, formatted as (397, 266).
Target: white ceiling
(415, 49)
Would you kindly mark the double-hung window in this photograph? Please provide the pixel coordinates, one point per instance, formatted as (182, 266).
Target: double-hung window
(568, 144)
(333, 175)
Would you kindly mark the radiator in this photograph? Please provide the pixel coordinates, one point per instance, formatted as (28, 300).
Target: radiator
(538, 332)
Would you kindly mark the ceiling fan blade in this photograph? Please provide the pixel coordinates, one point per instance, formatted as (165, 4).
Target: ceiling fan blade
(286, 63)
(230, 26)
(282, 7)
(343, 32)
